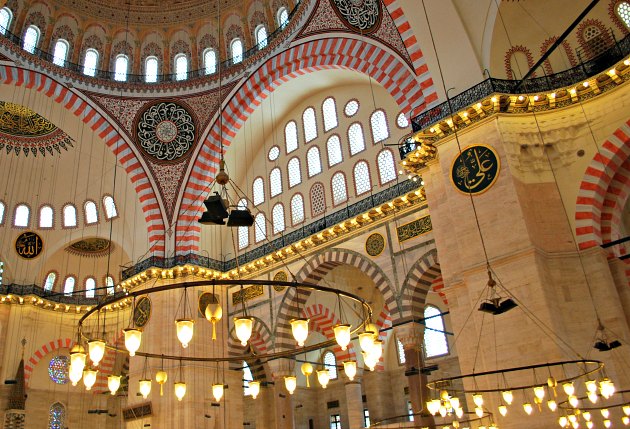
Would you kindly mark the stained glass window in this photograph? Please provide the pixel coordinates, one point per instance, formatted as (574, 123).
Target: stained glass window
(435, 343)
(109, 283)
(261, 37)
(355, 137)
(68, 286)
(310, 125)
(237, 51)
(295, 175)
(58, 369)
(210, 61)
(60, 52)
(120, 68)
(330, 114)
(57, 416)
(333, 147)
(69, 216)
(277, 216)
(386, 167)
(362, 181)
(46, 217)
(151, 69)
(275, 182)
(402, 121)
(330, 363)
(5, 19)
(260, 227)
(339, 190)
(318, 201)
(623, 12)
(91, 214)
(22, 215)
(290, 136)
(31, 38)
(378, 121)
(110, 207)
(49, 284)
(243, 231)
(258, 191)
(297, 209)
(90, 62)
(314, 161)
(351, 109)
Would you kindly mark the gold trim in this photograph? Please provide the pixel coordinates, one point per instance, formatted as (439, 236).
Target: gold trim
(487, 188)
(409, 223)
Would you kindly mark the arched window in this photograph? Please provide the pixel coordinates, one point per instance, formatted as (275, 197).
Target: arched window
(6, 16)
(258, 191)
(49, 283)
(22, 216)
(295, 174)
(318, 199)
(120, 68)
(236, 49)
(275, 182)
(351, 109)
(90, 287)
(69, 216)
(314, 161)
(110, 207)
(402, 121)
(247, 377)
(355, 137)
(243, 231)
(68, 286)
(46, 217)
(290, 136)
(150, 69)
(60, 53)
(362, 182)
(90, 62)
(91, 213)
(330, 363)
(2, 209)
(386, 166)
(333, 147)
(329, 110)
(260, 227)
(277, 216)
(622, 9)
(210, 61)
(261, 37)
(339, 190)
(401, 352)
(435, 343)
(297, 209)
(181, 67)
(283, 17)
(310, 125)
(57, 416)
(110, 285)
(31, 39)
(378, 121)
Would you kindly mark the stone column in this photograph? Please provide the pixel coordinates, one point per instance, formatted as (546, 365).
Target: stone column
(354, 402)
(283, 403)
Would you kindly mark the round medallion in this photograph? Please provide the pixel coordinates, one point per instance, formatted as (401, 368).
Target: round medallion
(142, 312)
(205, 299)
(475, 170)
(166, 131)
(29, 245)
(375, 244)
(281, 276)
(360, 15)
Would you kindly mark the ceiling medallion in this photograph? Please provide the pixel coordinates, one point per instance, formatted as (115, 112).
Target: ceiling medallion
(375, 244)
(166, 131)
(363, 16)
(90, 247)
(281, 276)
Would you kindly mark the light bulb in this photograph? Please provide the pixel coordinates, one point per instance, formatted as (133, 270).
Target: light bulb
(605, 413)
(366, 340)
(342, 335)
(214, 313)
(479, 412)
(552, 405)
(89, 378)
(625, 420)
(350, 368)
(323, 376)
(217, 391)
(568, 388)
(591, 385)
(161, 376)
(503, 410)
(528, 407)
(539, 392)
(607, 423)
(299, 328)
(626, 409)
(113, 383)
(96, 350)
(573, 401)
(185, 330)
(477, 399)
(563, 421)
(180, 390)
(592, 396)
(254, 388)
(243, 327)
(290, 382)
(133, 338)
(144, 387)
(508, 397)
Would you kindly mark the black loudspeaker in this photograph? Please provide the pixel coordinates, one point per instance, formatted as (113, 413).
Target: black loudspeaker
(240, 218)
(216, 211)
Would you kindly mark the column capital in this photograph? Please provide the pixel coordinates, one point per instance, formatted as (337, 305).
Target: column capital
(410, 334)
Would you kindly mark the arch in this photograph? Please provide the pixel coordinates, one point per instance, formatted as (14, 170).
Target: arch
(260, 342)
(312, 272)
(424, 276)
(359, 55)
(567, 50)
(40, 353)
(509, 72)
(322, 320)
(599, 187)
(613, 13)
(596, 45)
(19, 77)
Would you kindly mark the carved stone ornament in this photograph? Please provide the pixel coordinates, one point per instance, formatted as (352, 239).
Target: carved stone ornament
(363, 16)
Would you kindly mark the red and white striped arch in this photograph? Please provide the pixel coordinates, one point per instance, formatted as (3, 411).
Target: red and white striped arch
(51, 346)
(322, 320)
(19, 77)
(335, 53)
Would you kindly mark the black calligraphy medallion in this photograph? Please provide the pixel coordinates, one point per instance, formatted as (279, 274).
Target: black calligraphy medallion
(29, 245)
(363, 16)
(142, 312)
(475, 169)
(166, 131)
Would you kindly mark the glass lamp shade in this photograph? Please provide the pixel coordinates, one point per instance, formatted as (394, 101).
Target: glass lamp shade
(290, 382)
(573, 401)
(459, 412)
(568, 388)
(96, 350)
(503, 410)
(74, 375)
(433, 406)
(133, 338)
(144, 387)
(113, 383)
(552, 405)
(307, 370)
(366, 340)
(243, 327)
(590, 425)
(626, 410)
(592, 396)
(625, 420)
(606, 387)
(591, 385)
(185, 330)
(478, 399)
(607, 423)
(323, 376)
(528, 408)
(587, 415)
(180, 390)
(161, 377)
(89, 378)
(214, 313)
(369, 361)
(454, 402)
(479, 412)
(254, 388)
(377, 350)
(508, 396)
(350, 368)
(217, 391)
(342, 335)
(77, 358)
(371, 327)
(299, 328)
(563, 421)
(605, 413)
(539, 392)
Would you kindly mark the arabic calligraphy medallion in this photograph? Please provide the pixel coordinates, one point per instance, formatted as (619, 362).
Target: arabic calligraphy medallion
(29, 245)
(361, 15)
(375, 244)
(475, 170)
(142, 312)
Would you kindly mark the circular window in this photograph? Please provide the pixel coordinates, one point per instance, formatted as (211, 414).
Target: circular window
(352, 107)
(58, 369)
(274, 153)
(402, 121)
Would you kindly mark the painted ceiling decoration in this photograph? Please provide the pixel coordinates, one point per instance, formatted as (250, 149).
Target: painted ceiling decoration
(93, 247)
(23, 131)
(363, 16)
